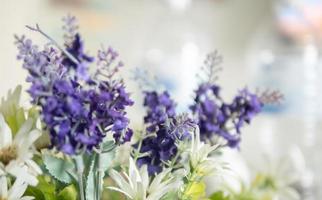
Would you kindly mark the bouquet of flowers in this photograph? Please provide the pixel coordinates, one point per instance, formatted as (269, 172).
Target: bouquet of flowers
(75, 141)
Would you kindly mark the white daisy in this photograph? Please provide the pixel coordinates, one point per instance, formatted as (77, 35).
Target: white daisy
(16, 153)
(136, 184)
(277, 181)
(15, 192)
(199, 156)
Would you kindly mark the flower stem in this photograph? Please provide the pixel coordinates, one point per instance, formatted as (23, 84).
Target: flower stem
(80, 170)
(70, 56)
(100, 175)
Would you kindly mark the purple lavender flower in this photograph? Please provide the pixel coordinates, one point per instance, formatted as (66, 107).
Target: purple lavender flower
(76, 49)
(246, 105)
(160, 108)
(215, 116)
(78, 108)
(162, 146)
(164, 130)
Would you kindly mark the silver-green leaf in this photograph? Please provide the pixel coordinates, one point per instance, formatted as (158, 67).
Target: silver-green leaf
(90, 182)
(59, 168)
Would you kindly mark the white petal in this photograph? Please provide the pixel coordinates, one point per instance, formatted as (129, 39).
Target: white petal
(290, 193)
(134, 172)
(145, 176)
(121, 182)
(157, 180)
(3, 187)
(27, 198)
(2, 170)
(21, 172)
(163, 190)
(23, 131)
(24, 141)
(32, 137)
(17, 189)
(121, 191)
(33, 166)
(5, 133)
(141, 192)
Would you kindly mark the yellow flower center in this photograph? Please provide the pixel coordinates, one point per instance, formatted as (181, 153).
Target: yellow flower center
(3, 198)
(8, 154)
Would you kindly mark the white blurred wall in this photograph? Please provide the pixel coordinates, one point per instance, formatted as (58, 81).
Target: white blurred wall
(136, 26)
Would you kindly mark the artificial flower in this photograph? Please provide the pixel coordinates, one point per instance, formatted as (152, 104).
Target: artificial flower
(77, 107)
(221, 121)
(160, 148)
(159, 144)
(218, 118)
(277, 181)
(160, 107)
(16, 153)
(200, 156)
(196, 191)
(136, 184)
(13, 112)
(201, 163)
(15, 192)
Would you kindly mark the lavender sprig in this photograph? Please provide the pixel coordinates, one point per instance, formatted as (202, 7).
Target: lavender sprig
(159, 149)
(160, 107)
(71, 29)
(211, 67)
(77, 109)
(37, 29)
(218, 118)
(270, 96)
(145, 80)
(108, 63)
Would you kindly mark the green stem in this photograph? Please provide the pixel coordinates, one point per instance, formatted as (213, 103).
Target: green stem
(100, 176)
(136, 156)
(175, 159)
(190, 180)
(80, 170)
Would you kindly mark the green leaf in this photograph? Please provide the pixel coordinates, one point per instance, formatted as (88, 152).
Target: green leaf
(171, 195)
(106, 160)
(45, 189)
(15, 118)
(218, 196)
(34, 192)
(68, 193)
(11, 101)
(59, 168)
(93, 163)
(33, 114)
(90, 181)
(108, 146)
(12, 111)
(19, 120)
(196, 190)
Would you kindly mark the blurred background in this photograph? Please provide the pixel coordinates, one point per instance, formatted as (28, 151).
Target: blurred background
(265, 44)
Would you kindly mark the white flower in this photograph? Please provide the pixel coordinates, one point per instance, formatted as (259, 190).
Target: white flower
(16, 153)
(137, 186)
(279, 180)
(199, 156)
(15, 192)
